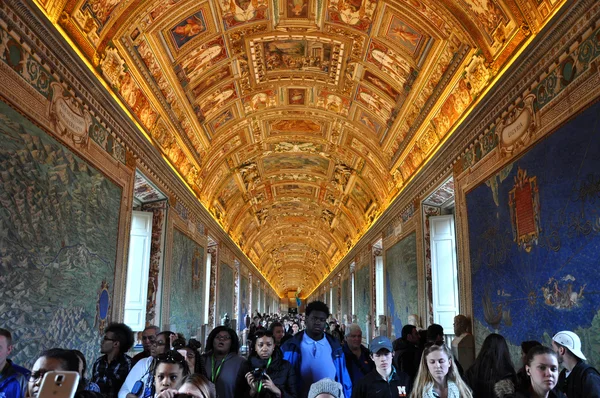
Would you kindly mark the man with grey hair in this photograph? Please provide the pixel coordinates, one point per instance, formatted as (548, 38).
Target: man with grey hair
(358, 360)
(148, 338)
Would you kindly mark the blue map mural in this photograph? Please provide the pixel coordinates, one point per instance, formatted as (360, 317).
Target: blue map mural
(226, 293)
(401, 282)
(58, 239)
(244, 301)
(534, 233)
(186, 304)
(362, 296)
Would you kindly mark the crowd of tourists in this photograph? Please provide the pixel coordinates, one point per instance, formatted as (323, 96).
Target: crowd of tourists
(306, 355)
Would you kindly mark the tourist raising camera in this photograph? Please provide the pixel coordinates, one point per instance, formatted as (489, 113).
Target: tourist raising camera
(271, 375)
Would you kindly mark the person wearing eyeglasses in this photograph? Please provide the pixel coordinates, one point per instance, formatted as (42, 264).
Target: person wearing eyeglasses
(191, 353)
(171, 368)
(111, 369)
(139, 381)
(148, 337)
(55, 359)
(225, 368)
(272, 376)
(438, 376)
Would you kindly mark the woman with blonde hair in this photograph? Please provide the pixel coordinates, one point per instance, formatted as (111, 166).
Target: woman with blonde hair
(438, 377)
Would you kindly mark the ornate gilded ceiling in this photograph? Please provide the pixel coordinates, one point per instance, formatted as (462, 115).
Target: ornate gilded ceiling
(297, 122)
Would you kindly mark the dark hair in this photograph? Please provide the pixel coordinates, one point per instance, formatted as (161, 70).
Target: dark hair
(68, 359)
(81, 358)
(274, 325)
(317, 306)
(524, 380)
(528, 345)
(7, 335)
(538, 350)
(491, 365)
(123, 334)
(433, 331)
(235, 342)
(167, 334)
(407, 331)
(175, 358)
(201, 382)
(179, 341)
(259, 334)
(88, 394)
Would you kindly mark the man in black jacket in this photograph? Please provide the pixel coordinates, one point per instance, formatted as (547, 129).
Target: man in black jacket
(384, 381)
(577, 379)
(407, 354)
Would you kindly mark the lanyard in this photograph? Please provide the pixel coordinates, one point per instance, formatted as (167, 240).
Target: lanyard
(260, 385)
(214, 376)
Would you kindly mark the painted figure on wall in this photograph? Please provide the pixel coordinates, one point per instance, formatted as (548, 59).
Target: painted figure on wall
(297, 8)
(355, 13)
(236, 12)
(203, 57)
(187, 29)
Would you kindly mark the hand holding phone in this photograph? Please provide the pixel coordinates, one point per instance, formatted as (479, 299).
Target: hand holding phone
(59, 384)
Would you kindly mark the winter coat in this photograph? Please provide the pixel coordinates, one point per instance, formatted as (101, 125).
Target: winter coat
(292, 353)
(375, 386)
(583, 382)
(280, 371)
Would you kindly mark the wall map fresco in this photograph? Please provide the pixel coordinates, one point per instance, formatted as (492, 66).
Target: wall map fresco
(401, 282)
(549, 277)
(186, 302)
(59, 228)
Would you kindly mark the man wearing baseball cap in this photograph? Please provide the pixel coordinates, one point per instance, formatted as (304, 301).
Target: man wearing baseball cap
(577, 379)
(384, 381)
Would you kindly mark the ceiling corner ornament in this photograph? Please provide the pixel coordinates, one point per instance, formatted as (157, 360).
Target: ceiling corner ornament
(518, 127)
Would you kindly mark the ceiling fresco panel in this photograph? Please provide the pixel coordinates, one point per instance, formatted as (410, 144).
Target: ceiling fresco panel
(298, 122)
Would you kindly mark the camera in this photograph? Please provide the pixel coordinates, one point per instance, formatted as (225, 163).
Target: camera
(259, 374)
(183, 395)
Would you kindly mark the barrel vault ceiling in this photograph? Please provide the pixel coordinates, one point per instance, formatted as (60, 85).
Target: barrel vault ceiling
(297, 122)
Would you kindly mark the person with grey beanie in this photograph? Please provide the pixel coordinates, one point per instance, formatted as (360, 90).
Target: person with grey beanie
(326, 388)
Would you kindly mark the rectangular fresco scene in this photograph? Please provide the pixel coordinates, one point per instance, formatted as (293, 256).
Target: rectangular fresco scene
(59, 227)
(186, 305)
(534, 237)
(401, 282)
(304, 55)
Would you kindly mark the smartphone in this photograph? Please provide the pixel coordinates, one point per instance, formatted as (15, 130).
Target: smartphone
(59, 384)
(138, 387)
